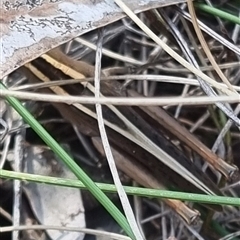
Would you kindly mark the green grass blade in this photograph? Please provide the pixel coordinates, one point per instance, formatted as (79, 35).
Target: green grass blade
(81, 175)
(219, 13)
(110, 188)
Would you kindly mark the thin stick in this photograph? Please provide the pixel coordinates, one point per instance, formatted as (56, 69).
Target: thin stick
(164, 101)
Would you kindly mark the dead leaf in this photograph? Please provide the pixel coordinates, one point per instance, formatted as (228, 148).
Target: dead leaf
(31, 28)
(53, 205)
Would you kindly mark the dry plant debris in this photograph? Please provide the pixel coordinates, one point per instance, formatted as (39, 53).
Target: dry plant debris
(166, 139)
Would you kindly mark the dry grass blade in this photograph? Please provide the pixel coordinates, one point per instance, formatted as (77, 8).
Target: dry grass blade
(139, 77)
(121, 192)
(172, 53)
(131, 111)
(169, 101)
(137, 137)
(62, 228)
(231, 46)
(224, 131)
(178, 58)
(171, 125)
(144, 177)
(205, 46)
